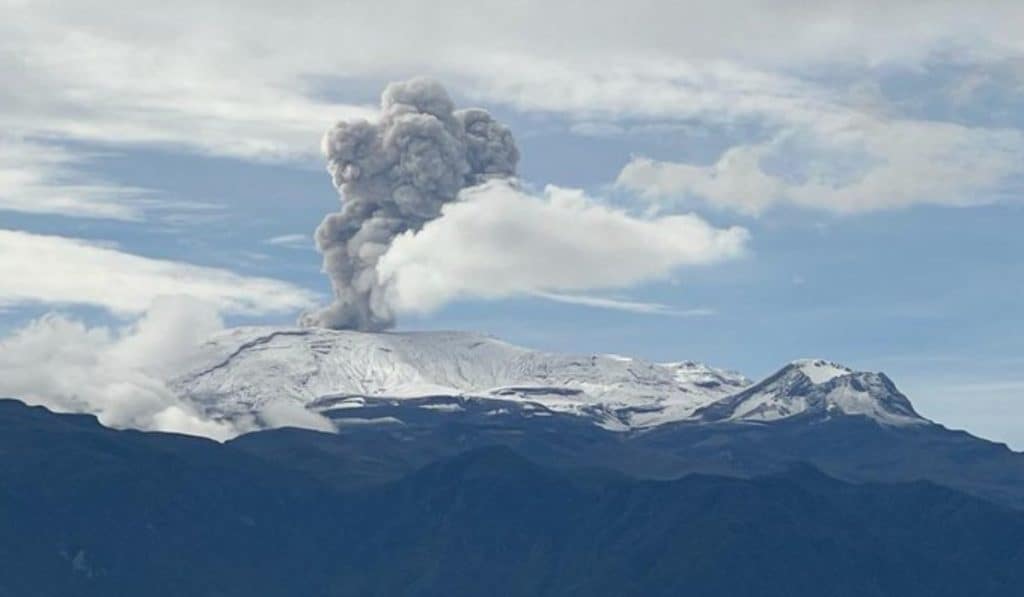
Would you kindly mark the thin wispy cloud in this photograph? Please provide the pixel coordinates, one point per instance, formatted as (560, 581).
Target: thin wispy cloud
(47, 178)
(868, 165)
(645, 308)
(85, 72)
(43, 178)
(53, 270)
(291, 241)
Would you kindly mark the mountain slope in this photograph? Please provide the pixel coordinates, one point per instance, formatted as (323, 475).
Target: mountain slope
(128, 513)
(852, 448)
(816, 389)
(86, 510)
(404, 400)
(243, 370)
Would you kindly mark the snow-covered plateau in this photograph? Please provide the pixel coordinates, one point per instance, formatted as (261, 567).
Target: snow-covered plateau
(242, 372)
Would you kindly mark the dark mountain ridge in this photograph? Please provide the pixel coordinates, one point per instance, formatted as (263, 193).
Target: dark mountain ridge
(86, 510)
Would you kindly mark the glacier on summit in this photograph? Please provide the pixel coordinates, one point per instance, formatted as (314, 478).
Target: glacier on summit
(816, 388)
(242, 372)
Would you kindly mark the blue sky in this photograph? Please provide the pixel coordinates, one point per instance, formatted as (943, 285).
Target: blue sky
(874, 161)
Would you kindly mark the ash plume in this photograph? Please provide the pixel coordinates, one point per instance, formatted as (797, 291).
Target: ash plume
(394, 175)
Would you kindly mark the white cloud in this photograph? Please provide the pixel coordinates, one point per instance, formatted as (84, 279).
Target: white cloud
(36, 269)
(114, 374)
(498, 242)
(601, 302)
(291, 241)
(283, 413)
(118, 374)
(29, 183)
(654, 88)
(261, 81)
(869, 165)
(44, 177)
(103, 73)
(248, 81)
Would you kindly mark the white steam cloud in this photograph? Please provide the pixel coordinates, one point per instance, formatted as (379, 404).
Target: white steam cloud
(394, 175)
(499, 241)
(118, 374)
(67, 366)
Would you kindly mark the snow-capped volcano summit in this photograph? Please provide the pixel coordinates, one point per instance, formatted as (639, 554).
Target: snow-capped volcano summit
(244, 371)
(819, 370)
(819, 389)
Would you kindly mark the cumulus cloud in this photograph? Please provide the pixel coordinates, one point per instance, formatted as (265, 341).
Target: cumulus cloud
(115, 374)
(869, 165)
(38, 269)
(118, 374)
(498, 241)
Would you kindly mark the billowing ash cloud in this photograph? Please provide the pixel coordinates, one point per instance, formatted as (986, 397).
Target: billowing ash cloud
(394, 175)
